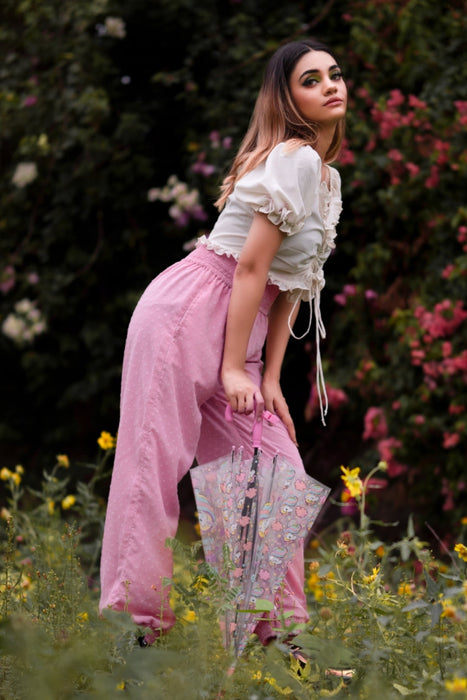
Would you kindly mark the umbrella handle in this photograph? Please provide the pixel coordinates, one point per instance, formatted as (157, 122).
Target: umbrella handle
(257, 426)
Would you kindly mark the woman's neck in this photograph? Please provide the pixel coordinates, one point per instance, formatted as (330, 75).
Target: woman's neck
(324, 141)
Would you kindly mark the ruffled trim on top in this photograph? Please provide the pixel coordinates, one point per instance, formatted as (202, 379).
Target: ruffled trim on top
(285, 219)
(216, 247)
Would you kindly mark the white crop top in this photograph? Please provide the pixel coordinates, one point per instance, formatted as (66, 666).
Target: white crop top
(287, 187)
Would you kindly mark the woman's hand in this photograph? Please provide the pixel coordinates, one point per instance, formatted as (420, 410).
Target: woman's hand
(242, 393)
(275, 402)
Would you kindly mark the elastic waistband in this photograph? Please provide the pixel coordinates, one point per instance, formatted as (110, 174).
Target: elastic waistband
(223, 266)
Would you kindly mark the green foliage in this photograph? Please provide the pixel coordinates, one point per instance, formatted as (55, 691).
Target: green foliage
(391, 615)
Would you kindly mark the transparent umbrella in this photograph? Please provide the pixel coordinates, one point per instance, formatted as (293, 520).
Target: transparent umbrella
(261, 510)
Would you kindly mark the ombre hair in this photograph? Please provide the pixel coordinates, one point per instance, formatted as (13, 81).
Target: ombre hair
(276, 118)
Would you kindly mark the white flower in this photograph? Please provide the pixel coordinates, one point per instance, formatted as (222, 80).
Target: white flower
(24, 323)
(24, 174)
(13, 327)
(25, 306)
(115, 27)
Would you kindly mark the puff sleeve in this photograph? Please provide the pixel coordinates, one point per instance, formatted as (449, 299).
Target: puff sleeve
(285, 187)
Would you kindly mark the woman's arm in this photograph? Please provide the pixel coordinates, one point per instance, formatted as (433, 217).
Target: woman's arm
(249, 283)
(276, 344)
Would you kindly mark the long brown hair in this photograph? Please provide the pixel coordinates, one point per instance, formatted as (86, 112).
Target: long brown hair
(275, 117)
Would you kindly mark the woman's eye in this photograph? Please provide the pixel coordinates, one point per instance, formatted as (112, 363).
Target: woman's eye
(310, 81)
(337, 75)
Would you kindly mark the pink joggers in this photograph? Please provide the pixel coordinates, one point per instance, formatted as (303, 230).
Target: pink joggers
(172, 410)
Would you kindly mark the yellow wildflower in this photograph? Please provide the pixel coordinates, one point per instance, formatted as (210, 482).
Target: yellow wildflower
(190, 616)
(82, 617)
(464, 520)
(457, 685)
(5, 474)
(63, 461)
(121, 685)
(50, 506)
(19, 469)
(200, 583)
(68, 502)
(404, 589)
(449, 611)
(352, 481)
(272, 681)
(257, 675)
(372, 577)
(106, 441)
(461, 550)
(16, 478)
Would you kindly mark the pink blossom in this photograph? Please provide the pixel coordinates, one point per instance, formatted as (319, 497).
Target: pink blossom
(461, 106)
(370, 294)
(450, 440)
(30, 101)
(455, 409)
(7, 279)
(432, 180)
(395, 155)
(419, 419)
(386, 450)
(375, 425)
(340, 299)
(447, 348)
(336, 398)
(413, 169)
(33, 278)
(462, 234)
(202, 168)
(396, 99)
(447, 272)
(346, 156)
(416, 102)
(227, 143)
(215, 137)
(350, 290)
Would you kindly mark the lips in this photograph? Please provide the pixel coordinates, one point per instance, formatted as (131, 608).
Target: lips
(333, 101)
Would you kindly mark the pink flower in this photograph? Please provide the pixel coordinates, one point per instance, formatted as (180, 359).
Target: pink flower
(433, 180)
(202, 168)
(350, 290)
(7, 279)
(386, 450)
(336, 398)
(396, 99)
(450, 440)
(419, 419)
(340, 299)
(30, 101)
(447, 272)
(375, 424)
(370, 294)
(395, 155)
(461, 106)
(455, 409)
(416, 103)
(413, 169)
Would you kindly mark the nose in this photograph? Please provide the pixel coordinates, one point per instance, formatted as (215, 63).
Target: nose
(329, 86)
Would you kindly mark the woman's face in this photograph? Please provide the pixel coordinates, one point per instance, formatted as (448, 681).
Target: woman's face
(318, 88)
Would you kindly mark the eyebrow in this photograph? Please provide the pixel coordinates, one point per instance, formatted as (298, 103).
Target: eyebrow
(315, 70)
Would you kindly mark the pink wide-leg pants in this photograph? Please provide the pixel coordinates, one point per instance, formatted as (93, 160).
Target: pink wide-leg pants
(172, 410)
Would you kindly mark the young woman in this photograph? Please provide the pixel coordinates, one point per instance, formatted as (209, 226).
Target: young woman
(196, 338)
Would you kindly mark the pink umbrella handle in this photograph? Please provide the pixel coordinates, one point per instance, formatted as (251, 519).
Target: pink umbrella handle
(257, 426)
